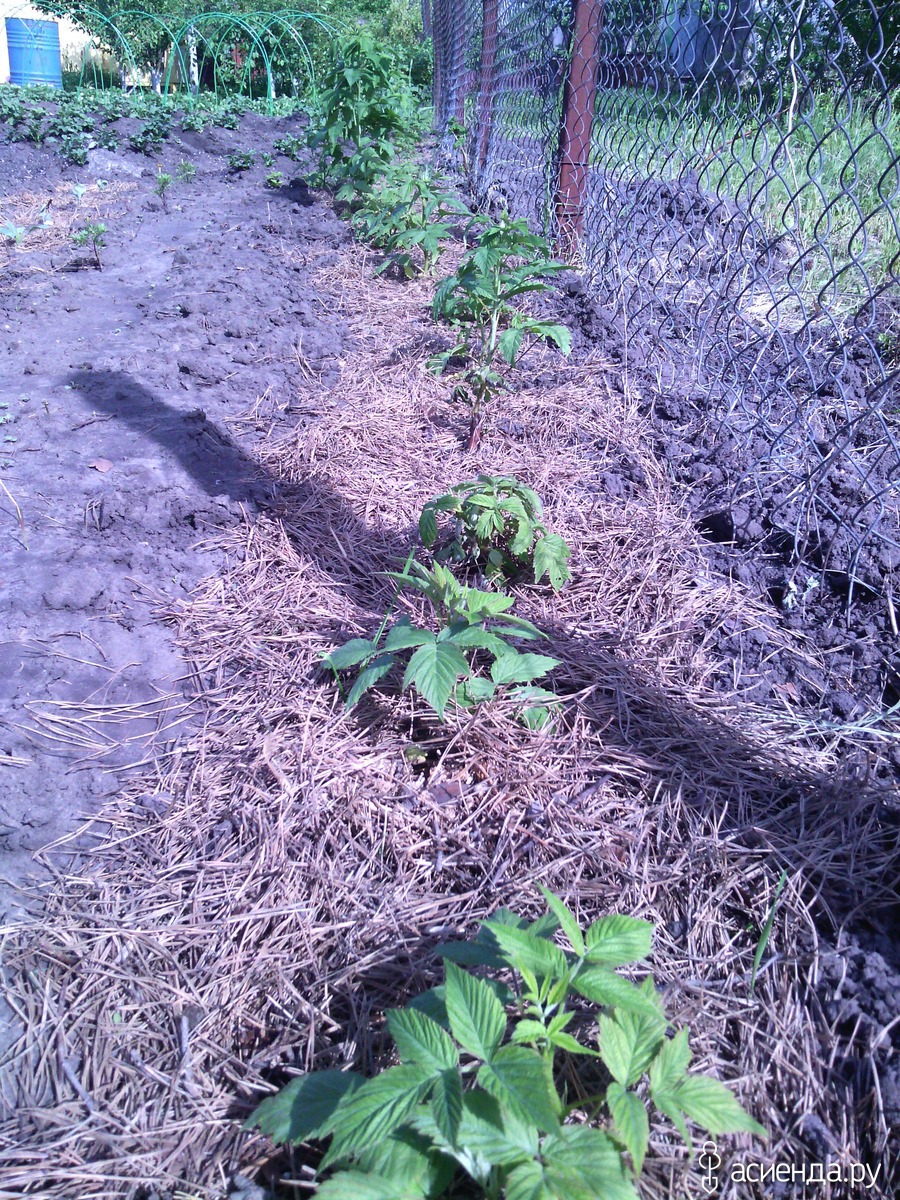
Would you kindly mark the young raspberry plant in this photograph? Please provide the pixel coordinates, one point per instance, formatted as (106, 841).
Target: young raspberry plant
(496, 526)
(506, 263)
(497, 1092)
(467, 654)
(93, 236)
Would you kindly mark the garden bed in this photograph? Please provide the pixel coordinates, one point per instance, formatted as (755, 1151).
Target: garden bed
(222, 440)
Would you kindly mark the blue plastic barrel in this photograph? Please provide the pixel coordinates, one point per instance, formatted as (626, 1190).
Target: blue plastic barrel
(33, 51)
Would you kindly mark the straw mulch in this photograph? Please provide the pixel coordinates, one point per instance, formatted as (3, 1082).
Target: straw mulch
(261, 901)
(49, 218)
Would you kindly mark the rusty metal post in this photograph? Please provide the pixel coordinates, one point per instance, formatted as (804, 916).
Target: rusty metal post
(486, 80)
(579, 98)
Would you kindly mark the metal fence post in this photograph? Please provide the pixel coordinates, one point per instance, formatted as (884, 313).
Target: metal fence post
(486, 80)
(579, 97)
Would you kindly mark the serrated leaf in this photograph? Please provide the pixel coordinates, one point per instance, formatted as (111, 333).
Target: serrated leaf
(428, 529)
(501, 1135)
(481, 500)
(421, 1040)
(369, 676)
(434, 670)
(616, 1050)
(714, 1107)
(528, 1031)
(528, 1182)
(515, 667)
(410, 1161)
(559, 335)
(628, 1042)
(562, 1019)
(632, 1124)
(477, 1019)
(582, 1163)
(471, 954)
(669, 1107)
(518, 627)
(609, 989)
(351, 654)
(487, 604)
(520, 948)
(472, 1162)
(529, 694)
(565, 1041)
(447, 1104)
(485, 527)
(566, 919)
(478, 689)
(550, 555)
(616, 940)
(375, 1110)
(509, 343)
(521, 1080)
(306, 1108)
(404, 635)
(506, 916)
(514, 506)
(433, 1004)
(489, 1135)
(359, 1185)
(671, 1062)
(437, 364)
(537, 716)
(522, 539)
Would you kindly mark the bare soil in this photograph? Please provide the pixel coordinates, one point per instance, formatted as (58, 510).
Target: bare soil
(133, 398)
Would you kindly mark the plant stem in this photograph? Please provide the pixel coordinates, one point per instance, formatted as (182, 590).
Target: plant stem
(399, 588)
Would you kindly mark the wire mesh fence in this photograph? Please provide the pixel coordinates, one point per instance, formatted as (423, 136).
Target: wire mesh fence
(726, 173)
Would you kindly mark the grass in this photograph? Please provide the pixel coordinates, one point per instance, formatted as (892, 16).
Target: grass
(826, 179)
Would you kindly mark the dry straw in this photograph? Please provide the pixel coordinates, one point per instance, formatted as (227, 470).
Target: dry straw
(49, 219)
(260, 901)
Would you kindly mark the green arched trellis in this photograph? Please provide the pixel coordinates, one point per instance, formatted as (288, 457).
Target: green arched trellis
(265, 38)
(171, 35)
(268, 32)
(226, 29)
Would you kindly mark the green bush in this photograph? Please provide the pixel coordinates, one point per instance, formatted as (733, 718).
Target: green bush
(469, 657)
(361, 111)
(407, 211)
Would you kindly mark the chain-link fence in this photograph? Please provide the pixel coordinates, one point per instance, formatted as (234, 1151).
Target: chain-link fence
(726, 173)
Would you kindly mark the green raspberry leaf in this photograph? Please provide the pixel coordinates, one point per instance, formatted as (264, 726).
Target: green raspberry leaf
(434, 670)
(477, 1019)
(306, 1108)
(632, 1124)
(550, 558)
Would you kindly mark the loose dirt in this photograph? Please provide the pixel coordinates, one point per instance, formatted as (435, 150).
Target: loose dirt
(133, 397)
